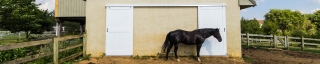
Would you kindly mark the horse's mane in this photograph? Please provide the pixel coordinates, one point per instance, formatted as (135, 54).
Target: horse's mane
(206, 31)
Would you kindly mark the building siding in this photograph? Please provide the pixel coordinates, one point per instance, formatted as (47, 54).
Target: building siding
(151, 24)
(70, 8)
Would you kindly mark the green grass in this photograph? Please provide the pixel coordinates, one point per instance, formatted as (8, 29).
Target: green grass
(144, 57)
(306, 49)
(13, 38)
(247, 59)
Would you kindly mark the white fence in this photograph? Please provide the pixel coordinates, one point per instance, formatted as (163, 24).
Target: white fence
(273, 39)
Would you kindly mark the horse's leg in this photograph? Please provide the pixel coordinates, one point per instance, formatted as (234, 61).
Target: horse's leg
(175, 51)
(168, 50)
(198, 51)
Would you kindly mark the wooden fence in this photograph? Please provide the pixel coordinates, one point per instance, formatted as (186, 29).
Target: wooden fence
(273, 39)
(55, 51)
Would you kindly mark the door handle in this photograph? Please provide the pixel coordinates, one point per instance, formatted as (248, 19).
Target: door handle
(107, 29)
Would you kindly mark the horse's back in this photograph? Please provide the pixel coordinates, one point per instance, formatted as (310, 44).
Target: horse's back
(183, 36)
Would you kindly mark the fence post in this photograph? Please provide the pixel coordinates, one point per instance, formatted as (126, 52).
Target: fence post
(302, 43)
(84, 44)
(55, 50)
(270, 42)
(287, 41)
(19, 37)
(247, 39)
(260, 39)
(275, 43)
(242, 41)
(0, 35)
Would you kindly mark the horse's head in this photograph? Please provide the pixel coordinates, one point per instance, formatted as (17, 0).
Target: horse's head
(216, 34)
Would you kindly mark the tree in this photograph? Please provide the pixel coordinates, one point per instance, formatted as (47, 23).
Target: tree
(24, 15)
(315, 18)
(289, 23)
(270, 27)
(250, 26)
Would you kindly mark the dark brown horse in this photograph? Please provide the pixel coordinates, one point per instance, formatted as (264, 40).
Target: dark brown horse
(195, 37)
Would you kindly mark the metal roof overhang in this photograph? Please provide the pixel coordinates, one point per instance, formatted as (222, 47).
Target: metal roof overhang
(246, 4)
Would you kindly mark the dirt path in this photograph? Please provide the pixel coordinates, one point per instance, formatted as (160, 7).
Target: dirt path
(258, 56)
(184, 60)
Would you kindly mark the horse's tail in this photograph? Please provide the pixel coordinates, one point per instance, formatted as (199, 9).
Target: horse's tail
(166, 42)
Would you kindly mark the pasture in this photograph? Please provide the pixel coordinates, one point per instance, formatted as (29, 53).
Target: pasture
(7, 37)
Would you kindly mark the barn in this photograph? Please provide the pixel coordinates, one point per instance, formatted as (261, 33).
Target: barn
(139, 27)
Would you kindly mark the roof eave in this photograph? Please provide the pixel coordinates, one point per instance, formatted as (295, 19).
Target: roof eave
(247, 3)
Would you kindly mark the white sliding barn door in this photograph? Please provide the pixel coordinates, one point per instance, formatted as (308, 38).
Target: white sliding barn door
(213, 17)
(119, 34)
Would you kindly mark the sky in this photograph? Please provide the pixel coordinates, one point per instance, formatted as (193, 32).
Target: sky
(264, 6)
(46, 4)
(258, 12)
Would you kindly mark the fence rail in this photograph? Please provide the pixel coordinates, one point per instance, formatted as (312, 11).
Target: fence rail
(55, 51)
(273, 39)
(24, 44)
(28, 58)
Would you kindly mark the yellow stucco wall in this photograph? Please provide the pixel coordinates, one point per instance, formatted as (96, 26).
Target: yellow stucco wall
(151, 24)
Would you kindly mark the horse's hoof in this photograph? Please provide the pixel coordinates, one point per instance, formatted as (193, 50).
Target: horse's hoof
(178, 60)
(199, 60)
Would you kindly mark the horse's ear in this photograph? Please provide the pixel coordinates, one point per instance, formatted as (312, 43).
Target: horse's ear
(217, 29)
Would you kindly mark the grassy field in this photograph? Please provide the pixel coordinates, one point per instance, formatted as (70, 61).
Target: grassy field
(14, 37)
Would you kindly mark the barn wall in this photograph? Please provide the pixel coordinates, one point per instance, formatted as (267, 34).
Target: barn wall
(151, 24)
(70, 8)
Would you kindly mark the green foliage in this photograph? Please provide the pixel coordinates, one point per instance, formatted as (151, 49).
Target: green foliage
(250, 26)
(315, 18)
(9, 55)
(270, 28)
(71, 27)
(317, 34)
(287, 22)
(23, 15)
(136, 57)
(87, 57)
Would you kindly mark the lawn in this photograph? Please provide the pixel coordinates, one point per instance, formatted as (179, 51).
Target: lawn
(12, 37)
